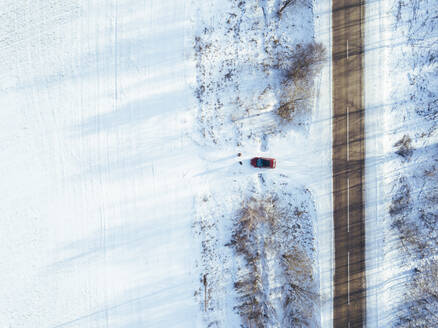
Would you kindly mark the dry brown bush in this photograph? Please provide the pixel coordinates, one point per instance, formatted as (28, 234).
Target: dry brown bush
(256, 211)
(295, 97)
(259, 230)
(253, 308)
(404, 146)
(297, 263)
(305, 62)
(300, 67)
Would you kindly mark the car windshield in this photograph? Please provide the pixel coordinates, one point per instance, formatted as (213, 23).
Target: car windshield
(262, 162)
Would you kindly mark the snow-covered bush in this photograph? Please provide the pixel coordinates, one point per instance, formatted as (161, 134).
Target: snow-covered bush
(276, 285)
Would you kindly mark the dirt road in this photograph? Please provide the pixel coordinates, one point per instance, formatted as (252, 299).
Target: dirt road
(348, 164)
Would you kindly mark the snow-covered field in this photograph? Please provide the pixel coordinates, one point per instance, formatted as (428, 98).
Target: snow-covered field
(106, 171)
(96, 164)
(402, 112)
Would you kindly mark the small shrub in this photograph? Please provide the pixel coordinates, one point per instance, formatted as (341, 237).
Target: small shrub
(400, 200)
(405, 149)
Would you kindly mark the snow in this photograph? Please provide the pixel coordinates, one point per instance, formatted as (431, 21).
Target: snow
(303, 154)
(376, 98)
(322, 187)
(96, 197)
(105, 169)
(399, 40)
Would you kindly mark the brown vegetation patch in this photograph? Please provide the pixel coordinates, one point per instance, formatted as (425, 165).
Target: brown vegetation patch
(300, 65)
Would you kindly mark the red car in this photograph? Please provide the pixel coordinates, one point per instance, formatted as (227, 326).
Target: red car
(263, 162)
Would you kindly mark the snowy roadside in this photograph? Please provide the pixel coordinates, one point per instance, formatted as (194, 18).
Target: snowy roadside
(323, 191)
(237, 92)
(376, 98)
(401, 109)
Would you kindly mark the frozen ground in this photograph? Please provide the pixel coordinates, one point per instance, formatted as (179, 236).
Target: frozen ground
(105, 169)
(401, 101)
